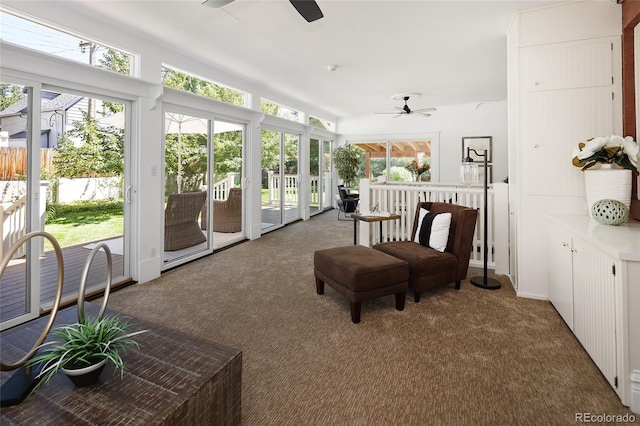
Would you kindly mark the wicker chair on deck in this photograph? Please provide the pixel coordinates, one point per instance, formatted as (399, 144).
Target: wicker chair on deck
(227, 214)
(181, 228)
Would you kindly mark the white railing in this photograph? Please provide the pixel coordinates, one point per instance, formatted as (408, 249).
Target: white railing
(13, 222)
(327, 188)
(402, 199)
(221, 188)
(291, 188)
(13, 226)
(314, 188)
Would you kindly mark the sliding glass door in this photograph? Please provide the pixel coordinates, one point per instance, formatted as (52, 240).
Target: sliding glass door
(186, 173)
(203, 203)
(65, 172)
(315, 180)
(327, 176)
(227, 192)
(19, 300)
(319, 175)
(280, 199)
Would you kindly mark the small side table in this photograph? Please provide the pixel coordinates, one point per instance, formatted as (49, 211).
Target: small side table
(369, 219)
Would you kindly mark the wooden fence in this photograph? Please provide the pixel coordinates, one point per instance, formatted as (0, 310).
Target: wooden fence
(13, 162)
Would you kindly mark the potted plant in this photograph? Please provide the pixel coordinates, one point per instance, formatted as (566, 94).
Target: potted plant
(609, 150)
(617, 158)
(417, 170)
(81, 350)
(346, 159)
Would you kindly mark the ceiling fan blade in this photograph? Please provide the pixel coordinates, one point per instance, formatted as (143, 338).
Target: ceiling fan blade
(309, 9)
(423, 109)
(215, 3)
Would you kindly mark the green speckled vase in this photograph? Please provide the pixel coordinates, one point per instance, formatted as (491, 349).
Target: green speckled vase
(610, 212)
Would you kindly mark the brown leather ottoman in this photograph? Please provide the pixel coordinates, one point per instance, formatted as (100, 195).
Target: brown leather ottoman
(360, 273)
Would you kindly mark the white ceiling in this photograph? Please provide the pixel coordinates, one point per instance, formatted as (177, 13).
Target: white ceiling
(453, 52)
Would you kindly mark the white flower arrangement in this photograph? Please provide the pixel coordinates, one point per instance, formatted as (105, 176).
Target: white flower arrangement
(608, 150)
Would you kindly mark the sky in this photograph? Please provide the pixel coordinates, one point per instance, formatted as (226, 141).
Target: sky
(29, 34)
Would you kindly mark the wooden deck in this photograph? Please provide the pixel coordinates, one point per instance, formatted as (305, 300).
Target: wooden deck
(271, 215)
(13, 282)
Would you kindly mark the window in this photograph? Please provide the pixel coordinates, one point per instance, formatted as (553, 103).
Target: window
(396, 161)
(37, 36)
(181, 80)
(272, 108)
(321, 123)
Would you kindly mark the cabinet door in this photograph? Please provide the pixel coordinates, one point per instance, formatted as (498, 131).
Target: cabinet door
(594, 306)
(559, 257)
(569, 65)
(566, 98)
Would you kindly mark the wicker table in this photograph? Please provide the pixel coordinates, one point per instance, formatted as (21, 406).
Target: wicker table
(173, 379)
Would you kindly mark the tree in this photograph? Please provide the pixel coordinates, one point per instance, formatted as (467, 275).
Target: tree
(89, 149)
(11, 93)
(193, 165)
(270, 150)
(189, 83)
(227, 153)
(118, 62)
(346, 160)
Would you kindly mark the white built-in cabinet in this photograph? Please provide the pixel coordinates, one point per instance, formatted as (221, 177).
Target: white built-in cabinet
(594, 284)
(560, 261)
(564, 87)
(582, 288)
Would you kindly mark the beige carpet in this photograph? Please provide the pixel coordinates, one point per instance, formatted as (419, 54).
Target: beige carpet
(468, 357)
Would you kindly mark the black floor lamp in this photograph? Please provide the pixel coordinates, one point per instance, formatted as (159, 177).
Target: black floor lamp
(484, 281)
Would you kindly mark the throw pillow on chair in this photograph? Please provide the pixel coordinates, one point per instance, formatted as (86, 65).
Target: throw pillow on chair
(433, 229)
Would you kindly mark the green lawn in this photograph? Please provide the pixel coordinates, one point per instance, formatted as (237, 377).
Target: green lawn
(84, 225)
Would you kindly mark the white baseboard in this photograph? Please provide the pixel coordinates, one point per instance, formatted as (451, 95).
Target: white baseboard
(635, 392)
(531, 295)
(149, 269)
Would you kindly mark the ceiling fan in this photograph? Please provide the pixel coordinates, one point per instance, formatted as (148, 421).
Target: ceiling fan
(309, 9)
(405, 110)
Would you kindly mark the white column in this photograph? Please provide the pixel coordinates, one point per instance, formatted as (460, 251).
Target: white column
(501, 227)
(364, 228)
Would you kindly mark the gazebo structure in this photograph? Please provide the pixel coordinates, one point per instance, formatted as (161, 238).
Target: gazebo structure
(414, 150)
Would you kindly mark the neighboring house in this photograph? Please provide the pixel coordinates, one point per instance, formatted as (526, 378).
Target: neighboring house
(59, 111)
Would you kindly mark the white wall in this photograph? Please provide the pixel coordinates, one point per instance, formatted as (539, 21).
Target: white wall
(451, 123)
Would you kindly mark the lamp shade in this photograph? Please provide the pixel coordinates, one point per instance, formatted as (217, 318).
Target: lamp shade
(469, 172)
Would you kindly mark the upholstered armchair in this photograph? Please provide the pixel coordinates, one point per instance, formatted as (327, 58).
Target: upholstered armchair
(428, 267)
(181, 229)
